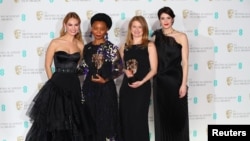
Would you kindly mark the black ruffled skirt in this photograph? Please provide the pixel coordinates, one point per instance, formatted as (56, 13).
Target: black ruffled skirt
(57, 113)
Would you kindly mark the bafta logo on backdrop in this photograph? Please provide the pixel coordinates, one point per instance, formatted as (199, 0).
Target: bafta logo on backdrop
(117, 31)
(210, 64)
(185, 13)
(230, 13)
(138, 12)
(210, 98)
(230, 47)
(39, 15)
(40, 51)
(19, 105)
(17, 33)
(229, 81)
(210, 30)
(229, 114)
(18, 69)
(89, 14)
(20, 138)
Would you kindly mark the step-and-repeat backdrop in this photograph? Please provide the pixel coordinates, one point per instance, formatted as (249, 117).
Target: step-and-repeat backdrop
(218, 32)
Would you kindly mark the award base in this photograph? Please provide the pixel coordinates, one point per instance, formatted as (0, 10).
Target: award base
(95, 75)
(131, 80)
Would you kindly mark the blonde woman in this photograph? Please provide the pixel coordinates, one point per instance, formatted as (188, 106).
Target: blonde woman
(56, 111)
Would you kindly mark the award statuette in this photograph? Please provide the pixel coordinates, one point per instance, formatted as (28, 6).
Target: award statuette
(98, 60)
(132, 66)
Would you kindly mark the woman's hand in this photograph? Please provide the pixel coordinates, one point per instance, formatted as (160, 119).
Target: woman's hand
(135, 84)
(128, 73)
(98, 79)
(183, 91)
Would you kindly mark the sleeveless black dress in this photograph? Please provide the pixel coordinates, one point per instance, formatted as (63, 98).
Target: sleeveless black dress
(102, 99)
(56, 111)
(171, 113)
(134, 102)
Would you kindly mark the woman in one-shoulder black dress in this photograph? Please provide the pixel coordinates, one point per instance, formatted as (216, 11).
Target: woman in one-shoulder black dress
(56, 111)
(170, 83)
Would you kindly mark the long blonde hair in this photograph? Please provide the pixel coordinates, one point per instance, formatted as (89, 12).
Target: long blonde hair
(66, 19)
(142, 21)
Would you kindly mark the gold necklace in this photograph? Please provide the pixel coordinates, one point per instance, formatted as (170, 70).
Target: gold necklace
(169, 32)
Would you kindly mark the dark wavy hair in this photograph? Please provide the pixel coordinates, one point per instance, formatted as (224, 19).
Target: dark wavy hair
(166, 10)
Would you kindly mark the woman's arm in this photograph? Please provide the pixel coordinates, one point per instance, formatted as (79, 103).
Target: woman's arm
(49, 58)
(185, 55)
(153, 60)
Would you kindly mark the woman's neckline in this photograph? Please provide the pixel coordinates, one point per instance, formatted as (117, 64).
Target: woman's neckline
(168, 33)
(97, 43)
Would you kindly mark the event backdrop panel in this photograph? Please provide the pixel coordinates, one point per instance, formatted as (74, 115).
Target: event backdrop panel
(219, 47)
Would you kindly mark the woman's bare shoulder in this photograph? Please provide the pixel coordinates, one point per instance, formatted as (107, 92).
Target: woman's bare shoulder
(180, 37)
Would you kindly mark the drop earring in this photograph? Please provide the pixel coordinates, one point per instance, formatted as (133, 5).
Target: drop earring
(106, 36)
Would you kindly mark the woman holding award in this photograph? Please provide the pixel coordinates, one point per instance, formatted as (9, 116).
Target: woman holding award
(103, 64)
(140, 61)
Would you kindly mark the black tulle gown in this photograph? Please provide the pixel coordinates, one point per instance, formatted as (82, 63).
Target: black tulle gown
(134, 102)
(56, 111)
(171, 112)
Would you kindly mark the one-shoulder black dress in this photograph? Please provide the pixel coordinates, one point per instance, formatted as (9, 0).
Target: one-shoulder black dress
(171, 112)
(56, 111)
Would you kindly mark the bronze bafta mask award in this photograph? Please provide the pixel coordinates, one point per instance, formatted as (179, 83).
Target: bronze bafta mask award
(98, 60)
(132, 66)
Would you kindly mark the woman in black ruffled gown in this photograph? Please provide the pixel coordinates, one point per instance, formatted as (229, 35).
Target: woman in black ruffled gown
(56, 111)
(103, 65)
(170, 83)
(140, 60)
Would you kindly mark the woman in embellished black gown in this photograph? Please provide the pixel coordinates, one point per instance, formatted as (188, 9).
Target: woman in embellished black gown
(56, 111)
(170, 83)
(103, 65)
(140, 60)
